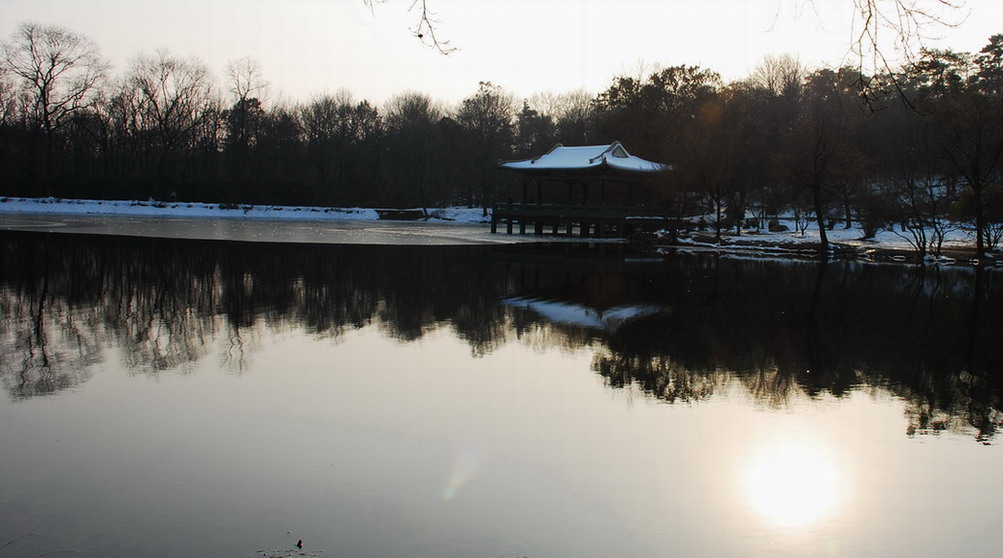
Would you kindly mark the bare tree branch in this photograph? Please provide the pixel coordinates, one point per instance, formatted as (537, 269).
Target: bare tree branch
(889, 34)
(425, 28)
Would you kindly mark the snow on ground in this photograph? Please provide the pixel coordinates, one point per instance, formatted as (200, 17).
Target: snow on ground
(214, 210)
(886, 239)
(896, 239)
(752, 240)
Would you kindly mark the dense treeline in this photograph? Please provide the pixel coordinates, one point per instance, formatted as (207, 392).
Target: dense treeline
(925, 153)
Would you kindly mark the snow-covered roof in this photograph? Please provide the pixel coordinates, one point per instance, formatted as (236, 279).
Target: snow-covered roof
(586, 157)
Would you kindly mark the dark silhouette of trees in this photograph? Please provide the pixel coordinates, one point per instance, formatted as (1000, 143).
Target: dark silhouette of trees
(58, 71)
(342, 139)
(785, 140)
(56, 74)
(534, 132)
(648, 113)
(244, 121)
(575, 116)
(818, 144)
(715, 157)
(413, 145)
(486, 117)
(965, 104)
(172, 117)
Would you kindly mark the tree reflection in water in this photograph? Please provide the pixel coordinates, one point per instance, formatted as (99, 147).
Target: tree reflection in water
(779, 329)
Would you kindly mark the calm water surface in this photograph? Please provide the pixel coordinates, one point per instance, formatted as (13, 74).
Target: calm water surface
(197, 398)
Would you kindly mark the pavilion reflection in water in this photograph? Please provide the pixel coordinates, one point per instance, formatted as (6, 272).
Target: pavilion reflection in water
(679, 327)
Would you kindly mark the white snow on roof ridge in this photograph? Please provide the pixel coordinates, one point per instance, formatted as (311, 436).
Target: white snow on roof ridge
(586, 156)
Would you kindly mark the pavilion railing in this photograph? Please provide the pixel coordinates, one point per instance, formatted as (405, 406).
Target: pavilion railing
(586, 220)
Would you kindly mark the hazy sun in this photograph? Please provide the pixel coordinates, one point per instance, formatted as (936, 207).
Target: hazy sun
(792, 484)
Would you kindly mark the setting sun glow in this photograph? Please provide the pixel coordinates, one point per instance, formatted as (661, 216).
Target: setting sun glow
(792, 484)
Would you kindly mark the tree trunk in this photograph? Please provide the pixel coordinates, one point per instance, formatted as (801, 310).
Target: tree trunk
(816, 196)
(980, 220)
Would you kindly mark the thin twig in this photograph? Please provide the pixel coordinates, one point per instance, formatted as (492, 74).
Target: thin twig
(424, 30)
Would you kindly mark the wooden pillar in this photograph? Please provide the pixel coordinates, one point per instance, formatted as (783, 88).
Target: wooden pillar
(539, 191)
(494, 224)
(508, 226)
(525, 190)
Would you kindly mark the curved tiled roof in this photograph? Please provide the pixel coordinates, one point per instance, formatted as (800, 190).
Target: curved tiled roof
(583, 157)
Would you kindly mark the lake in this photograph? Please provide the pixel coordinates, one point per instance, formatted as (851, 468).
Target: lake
(172, 397)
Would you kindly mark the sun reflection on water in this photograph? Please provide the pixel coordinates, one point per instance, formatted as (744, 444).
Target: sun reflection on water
(793, 483)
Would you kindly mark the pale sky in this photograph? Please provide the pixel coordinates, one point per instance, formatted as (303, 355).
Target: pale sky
(310, 47)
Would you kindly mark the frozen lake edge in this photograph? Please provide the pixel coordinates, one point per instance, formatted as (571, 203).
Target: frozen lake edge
(444, 226)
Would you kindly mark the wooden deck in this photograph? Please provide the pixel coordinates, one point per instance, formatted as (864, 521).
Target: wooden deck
(598, 221)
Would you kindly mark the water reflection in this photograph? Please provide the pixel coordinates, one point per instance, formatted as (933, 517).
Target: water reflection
(679, 327)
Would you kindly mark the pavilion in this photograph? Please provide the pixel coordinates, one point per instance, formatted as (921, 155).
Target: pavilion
(600, 190)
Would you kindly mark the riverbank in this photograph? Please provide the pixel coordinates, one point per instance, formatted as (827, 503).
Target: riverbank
(886, 246)
(151, 208)
(893, 245)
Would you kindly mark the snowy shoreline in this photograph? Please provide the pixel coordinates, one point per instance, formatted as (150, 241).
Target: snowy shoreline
(153, 208)
(889, 245)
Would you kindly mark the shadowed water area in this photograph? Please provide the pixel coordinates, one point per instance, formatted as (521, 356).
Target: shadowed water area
(205, 398)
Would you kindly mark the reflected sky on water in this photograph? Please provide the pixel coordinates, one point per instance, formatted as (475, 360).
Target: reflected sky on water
(216, 399)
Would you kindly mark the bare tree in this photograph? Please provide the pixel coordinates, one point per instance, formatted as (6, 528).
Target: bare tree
(818, 143)
(172, 94)
(245, 118)
(246, 79)
(780, 75)
(57, 70)
(571, 113)
(575, 116)
(172, 105)
(56, 75)
(8, 97)
(710, 150)
(922, 203)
